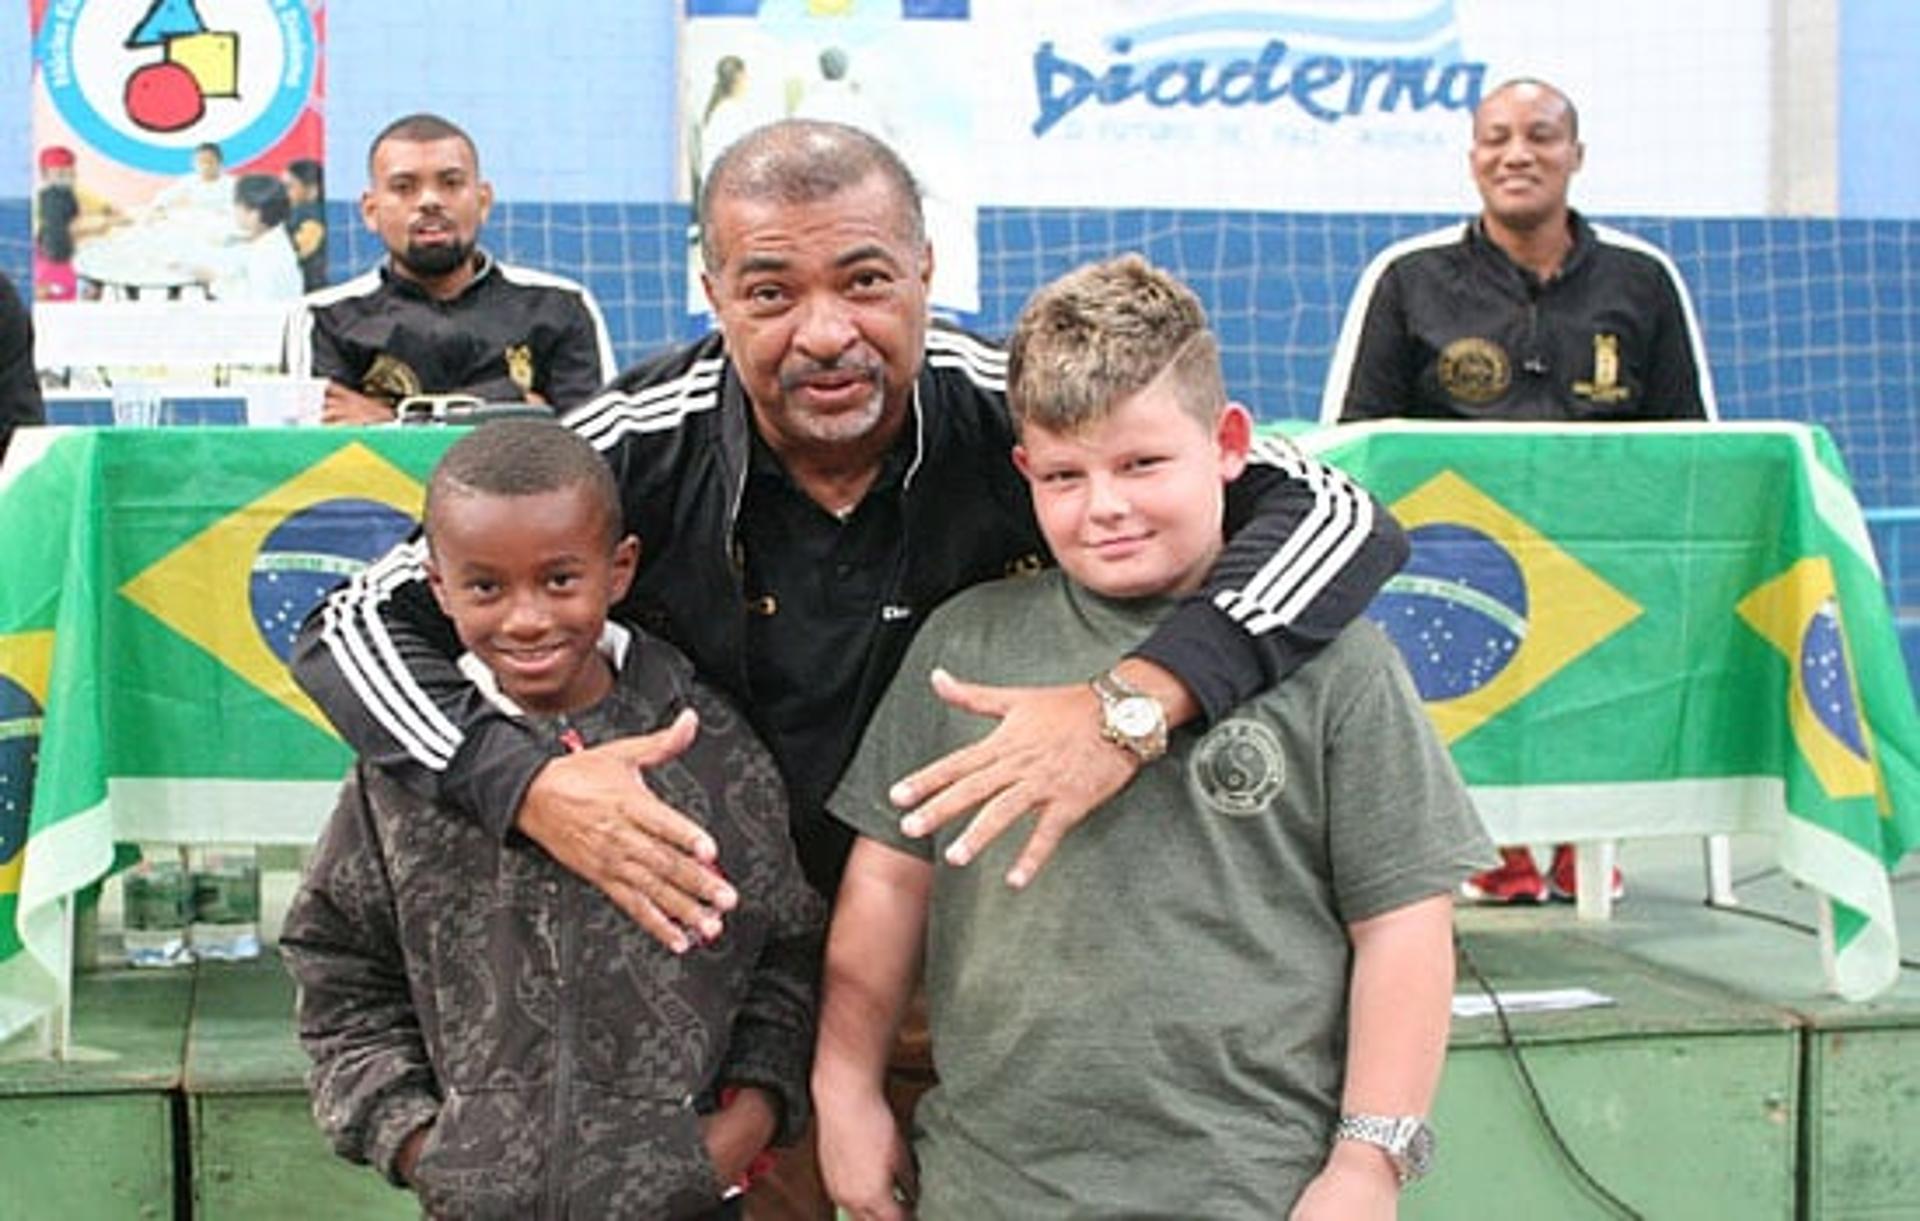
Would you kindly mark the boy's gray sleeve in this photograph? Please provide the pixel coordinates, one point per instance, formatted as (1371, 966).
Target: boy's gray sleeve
(905, 732)
(372, 1082)
(1400, 823)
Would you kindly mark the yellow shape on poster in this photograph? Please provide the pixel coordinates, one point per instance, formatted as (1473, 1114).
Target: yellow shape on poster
(214, 59)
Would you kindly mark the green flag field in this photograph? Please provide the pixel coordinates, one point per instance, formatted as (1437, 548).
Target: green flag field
(1656, 629)
(152, 583)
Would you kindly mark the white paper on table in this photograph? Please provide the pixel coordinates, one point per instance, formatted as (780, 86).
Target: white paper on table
(1549, 1000)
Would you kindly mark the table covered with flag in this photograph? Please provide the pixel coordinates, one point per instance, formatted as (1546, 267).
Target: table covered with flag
(150, 586)
(1628, 630)
(1620, 631)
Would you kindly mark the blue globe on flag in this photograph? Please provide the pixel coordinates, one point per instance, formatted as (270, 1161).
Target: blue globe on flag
(1457, 612)
(1825, 675)
(20, 716)
(309, 553)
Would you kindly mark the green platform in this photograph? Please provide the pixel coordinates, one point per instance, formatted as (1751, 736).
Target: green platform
(1721, 1082)
(95, 1137)
(257, 1152)
(185, 1082)
(1680, 1098)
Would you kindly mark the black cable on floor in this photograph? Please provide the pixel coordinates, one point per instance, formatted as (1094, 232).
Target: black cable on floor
(1787, 922)
(1618, 1206)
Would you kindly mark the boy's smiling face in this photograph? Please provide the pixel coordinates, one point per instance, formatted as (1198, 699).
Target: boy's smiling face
(527, 581)
(1133, 504)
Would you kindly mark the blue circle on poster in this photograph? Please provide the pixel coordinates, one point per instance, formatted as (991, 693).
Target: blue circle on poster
(20, 717)
(89, 51)
(311, 552)
(1457, 612)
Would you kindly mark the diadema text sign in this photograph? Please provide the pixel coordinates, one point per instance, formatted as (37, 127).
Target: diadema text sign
(1356, 105)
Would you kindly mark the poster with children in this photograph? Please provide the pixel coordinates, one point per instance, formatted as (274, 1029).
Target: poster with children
(177, 148)
(903, 70)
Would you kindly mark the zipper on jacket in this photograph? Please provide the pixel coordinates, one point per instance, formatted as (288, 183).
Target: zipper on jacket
(1534, 363)
(558, 1145)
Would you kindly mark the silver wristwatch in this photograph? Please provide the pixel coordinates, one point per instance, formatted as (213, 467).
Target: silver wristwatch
(1407, 1140)
(1131, 718)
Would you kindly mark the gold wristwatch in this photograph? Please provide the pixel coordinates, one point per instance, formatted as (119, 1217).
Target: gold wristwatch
(1130, 718)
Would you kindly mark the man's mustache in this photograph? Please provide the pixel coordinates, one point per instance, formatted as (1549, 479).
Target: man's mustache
(835, 371)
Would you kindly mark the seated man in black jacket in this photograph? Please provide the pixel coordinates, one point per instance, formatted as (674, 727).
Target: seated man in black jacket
(19, 383)
(440, 315)
(1526, 312)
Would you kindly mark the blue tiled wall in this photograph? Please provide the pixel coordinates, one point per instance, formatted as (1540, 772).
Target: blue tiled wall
(1815, 320)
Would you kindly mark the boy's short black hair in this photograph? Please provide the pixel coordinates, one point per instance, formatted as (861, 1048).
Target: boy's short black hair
(523, 457)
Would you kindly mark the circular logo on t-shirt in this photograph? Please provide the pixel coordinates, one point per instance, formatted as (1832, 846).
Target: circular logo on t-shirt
(1475, 370)
(1239, 768)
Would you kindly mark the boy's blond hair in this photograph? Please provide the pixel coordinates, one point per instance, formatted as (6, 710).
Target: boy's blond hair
(1103, 333)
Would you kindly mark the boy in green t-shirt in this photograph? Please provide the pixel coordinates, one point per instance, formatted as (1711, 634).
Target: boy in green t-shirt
(1232, 1003)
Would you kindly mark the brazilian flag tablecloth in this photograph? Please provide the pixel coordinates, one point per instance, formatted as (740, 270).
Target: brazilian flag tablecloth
(150, 584)
(1630, 630)
(1620, 631)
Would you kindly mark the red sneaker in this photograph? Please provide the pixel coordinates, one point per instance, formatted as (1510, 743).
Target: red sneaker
(1517, 880)
(1560, 879)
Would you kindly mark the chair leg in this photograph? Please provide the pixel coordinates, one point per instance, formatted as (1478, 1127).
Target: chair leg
(1719, 862)
(1593, 870)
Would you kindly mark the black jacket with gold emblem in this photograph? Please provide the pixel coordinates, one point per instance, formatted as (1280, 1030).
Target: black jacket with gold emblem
(510, 331)
(1446, 326)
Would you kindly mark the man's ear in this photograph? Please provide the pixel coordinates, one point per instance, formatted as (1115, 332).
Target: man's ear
(626, 561)
(486, 200)
(367, 217)
(1233, 434)
(1022, 463)
(1579, 156)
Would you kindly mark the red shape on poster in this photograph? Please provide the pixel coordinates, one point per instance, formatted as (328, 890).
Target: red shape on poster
(164, 97)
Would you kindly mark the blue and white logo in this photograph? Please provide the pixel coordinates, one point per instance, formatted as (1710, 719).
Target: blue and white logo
(145, 88)
(1330, 65)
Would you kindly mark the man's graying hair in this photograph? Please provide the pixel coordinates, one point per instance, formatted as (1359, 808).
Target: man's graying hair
(514, 458)
(803, 161)
(1103, 333)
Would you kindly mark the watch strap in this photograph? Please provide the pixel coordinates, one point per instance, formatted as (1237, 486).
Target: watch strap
(1406, 1140)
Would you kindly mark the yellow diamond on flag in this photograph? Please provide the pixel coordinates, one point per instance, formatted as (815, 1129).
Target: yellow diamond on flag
(1798, 613)
(1488, 608)
(239, 588)
(26, 663)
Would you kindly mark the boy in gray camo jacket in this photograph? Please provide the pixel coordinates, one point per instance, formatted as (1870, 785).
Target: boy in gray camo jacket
(485, 1027)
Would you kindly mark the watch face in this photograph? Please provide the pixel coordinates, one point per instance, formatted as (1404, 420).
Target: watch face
(1135, 716)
